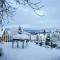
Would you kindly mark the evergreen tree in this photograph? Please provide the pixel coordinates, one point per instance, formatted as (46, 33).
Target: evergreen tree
(47, 39)
(19, 30)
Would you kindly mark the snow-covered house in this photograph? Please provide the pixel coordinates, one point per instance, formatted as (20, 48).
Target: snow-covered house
(5, 36)
(16, 32)
(1, 33)
(33, 37)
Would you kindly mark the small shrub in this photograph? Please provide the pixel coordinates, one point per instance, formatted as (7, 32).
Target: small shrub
(54, 45)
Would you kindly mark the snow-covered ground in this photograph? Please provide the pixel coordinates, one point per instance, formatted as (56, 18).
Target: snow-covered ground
(31, 52)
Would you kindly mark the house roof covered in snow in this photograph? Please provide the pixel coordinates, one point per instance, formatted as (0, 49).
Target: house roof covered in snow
(20, 36)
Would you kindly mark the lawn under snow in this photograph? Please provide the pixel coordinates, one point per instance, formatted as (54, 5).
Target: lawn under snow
(31, 52)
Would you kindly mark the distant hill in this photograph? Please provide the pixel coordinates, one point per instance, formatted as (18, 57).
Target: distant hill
(40, 30)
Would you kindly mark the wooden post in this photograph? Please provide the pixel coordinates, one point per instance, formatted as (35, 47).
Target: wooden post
(17, 44)
(27, 42)
(22, 44)
(12, 44)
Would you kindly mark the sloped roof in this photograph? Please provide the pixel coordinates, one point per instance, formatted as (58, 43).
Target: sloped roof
(20, 36)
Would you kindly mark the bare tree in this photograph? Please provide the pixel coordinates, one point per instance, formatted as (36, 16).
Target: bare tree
(7, 10)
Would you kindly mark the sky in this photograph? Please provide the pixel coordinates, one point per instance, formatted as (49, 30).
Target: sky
(25, 16)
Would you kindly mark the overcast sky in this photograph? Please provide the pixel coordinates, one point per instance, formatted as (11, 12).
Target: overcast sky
(26, 16)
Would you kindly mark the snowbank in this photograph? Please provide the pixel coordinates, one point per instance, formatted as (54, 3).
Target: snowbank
(32, 52)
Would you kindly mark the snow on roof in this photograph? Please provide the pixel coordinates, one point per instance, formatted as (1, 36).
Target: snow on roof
(26, 33)
(20, 36)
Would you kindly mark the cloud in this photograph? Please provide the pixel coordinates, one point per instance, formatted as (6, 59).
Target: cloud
(26, 16)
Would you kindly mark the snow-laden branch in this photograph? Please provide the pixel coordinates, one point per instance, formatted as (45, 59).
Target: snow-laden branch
(7, 9)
